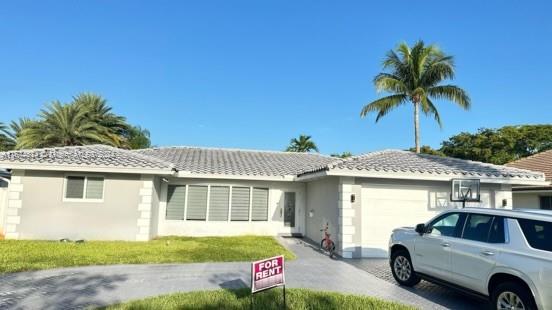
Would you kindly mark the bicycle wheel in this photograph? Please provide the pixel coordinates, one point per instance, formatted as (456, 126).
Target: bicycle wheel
(323, 244)
(331, 249)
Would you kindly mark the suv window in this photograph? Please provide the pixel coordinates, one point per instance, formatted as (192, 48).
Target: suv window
(477, 227)
(535, 232)
(497, 234)
(445, 225)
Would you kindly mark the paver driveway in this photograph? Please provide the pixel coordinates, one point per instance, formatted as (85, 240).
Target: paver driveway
(82, 287)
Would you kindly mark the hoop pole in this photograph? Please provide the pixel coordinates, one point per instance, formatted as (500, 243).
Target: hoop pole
(285, 306)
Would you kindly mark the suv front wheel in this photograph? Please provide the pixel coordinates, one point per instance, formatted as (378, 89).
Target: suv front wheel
(401, 267)
(511, 295)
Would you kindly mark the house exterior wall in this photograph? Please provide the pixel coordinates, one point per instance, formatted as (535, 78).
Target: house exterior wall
(388, 204)
(322, 203)
(3, 207)
(274, 225)
(529, 200)
(43, 214)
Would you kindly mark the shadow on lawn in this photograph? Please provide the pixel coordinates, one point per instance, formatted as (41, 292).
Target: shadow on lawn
(67, 291)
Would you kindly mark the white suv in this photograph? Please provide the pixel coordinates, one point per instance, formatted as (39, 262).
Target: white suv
(503, 255)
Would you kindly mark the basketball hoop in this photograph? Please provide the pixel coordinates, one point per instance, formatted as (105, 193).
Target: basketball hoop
(465, 190)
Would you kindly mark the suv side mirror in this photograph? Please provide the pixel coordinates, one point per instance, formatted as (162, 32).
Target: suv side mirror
(421, 229)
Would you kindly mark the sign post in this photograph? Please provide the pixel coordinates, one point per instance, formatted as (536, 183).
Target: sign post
(266, 274)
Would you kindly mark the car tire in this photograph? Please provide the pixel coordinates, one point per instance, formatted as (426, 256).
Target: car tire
(508, 294)
(402, 269)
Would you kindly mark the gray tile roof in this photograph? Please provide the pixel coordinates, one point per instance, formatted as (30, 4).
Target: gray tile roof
(238, 162)
(88, 155)
(397, 161)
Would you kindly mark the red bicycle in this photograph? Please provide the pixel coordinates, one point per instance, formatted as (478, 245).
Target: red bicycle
(327, 244)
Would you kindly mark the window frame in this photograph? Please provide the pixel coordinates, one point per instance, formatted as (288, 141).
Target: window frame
(248, 185)
(83, 199)
(541, 198)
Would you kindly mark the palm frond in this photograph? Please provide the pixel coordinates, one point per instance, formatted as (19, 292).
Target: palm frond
(384, 105)
(390, 83)
(452, 93)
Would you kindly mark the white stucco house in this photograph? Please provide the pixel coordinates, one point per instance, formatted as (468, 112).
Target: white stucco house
(534, 197)
(102, 193)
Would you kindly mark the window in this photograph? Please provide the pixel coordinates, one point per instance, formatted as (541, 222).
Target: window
(536, 233)
(84, 188)
(546, 202)
(478, 227)
(497, 234)
(197, 203)
(445, 225)
(176, 199)
(219, 199)
(259, 208)
(240, 204)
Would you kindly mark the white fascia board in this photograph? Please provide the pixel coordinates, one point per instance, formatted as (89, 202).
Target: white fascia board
(186, 174)
(434, 177)
(311, 176)
(83, 168)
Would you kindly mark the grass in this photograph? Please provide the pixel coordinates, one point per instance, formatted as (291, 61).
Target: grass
(23, 255)
(240, 299)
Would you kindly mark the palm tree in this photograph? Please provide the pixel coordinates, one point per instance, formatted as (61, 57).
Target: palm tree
(64, 125)
(138, 138)
(100, 112)
(302, 144)
(5, 140)
(414, 75)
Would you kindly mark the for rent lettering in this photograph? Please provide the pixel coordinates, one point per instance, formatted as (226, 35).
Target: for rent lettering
(267, 273)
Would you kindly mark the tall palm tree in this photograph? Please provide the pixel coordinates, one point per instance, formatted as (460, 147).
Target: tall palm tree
(415, 75)
(302, 144)
(64, 125)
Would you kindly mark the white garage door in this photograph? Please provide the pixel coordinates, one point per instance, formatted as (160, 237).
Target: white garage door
(386, 207)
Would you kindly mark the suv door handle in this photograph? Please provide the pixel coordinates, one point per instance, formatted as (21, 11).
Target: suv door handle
(445, 245)
(487, 253)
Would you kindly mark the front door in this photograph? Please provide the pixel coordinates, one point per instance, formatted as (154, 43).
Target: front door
(289, 209)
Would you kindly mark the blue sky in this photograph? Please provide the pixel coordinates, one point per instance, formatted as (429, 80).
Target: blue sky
(253, 74)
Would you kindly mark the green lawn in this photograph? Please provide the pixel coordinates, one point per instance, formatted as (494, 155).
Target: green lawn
(22, 255)
(240, 299)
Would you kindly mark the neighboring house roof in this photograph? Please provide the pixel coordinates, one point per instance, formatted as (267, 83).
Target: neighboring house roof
(83, 157)
(394, 162)
(539, 162)
(220, 161)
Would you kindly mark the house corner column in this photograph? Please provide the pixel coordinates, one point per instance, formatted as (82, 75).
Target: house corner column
(503, 195)
(13, 218)
(145, 208)
(346, 230)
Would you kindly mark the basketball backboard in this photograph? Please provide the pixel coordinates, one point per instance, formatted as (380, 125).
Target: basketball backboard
(465, 190)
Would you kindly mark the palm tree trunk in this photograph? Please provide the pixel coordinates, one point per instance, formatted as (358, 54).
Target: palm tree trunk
(417, 126)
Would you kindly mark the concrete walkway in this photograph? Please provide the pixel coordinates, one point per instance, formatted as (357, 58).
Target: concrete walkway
(82, 287)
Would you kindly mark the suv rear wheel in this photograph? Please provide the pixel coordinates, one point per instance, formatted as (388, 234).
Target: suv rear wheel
(401, 267)
(511, 295)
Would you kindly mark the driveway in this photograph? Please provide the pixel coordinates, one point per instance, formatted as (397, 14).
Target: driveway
(74, 288)
(443, 296)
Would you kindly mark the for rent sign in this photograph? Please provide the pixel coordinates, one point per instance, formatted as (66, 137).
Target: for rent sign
(267, 273)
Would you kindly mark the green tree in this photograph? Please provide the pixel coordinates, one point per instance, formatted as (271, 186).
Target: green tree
(499, 146)
(6, 142)
(138, 138)
(426, 149)
(64, 125)
(414, 75)
(342, 155)
(302, 144)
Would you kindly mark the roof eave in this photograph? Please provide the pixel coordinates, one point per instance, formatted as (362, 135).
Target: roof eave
(435, 177)
(190, 175)
(87, 168)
